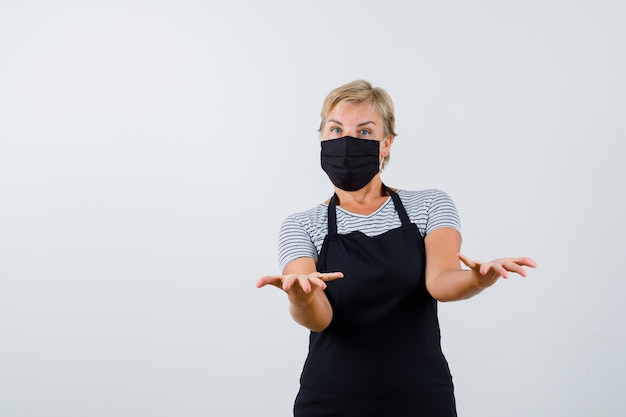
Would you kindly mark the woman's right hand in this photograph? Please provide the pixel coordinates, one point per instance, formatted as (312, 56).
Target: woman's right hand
(300, 288)
(301, 281)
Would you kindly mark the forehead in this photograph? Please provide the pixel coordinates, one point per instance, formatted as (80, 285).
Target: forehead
(346, 112)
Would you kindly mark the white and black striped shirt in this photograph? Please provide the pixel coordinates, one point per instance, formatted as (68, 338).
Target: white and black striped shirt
(302, 234)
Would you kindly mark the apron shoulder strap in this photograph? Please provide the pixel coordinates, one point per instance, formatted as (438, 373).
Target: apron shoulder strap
(404, 218)
(332, 217)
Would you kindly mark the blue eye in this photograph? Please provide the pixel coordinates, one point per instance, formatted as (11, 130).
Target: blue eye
(364, 132)
(335, 130)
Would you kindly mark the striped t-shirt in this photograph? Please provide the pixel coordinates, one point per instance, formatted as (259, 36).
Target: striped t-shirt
(302, 234)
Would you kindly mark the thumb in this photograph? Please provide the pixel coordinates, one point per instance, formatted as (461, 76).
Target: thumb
(467, 261)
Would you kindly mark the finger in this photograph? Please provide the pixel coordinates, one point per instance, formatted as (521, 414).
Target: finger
(318, 282)
(514, 267)
(526, 261)
(497, 268)
(319, 279)
(330, 276)
(274, 280)
(305, 284)
(288, 281)
(467, 261)
(486, 267)
(501, 270)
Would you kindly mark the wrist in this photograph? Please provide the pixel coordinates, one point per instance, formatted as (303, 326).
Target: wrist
(303, 300)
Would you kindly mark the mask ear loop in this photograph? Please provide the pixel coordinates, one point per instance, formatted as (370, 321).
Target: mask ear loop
(382, 160)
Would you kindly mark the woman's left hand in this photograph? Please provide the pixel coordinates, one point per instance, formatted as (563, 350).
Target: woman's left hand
(490, 272)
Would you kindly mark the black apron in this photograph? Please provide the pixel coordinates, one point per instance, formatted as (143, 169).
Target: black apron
(381, 354)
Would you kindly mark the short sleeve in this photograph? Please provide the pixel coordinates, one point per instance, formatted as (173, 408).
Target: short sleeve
(441, 212)
(294, 242)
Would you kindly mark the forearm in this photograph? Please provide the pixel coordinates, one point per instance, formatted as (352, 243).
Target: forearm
(315, 314)
(454, 285)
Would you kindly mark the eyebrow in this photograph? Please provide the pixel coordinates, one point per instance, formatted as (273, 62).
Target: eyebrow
(359, 125)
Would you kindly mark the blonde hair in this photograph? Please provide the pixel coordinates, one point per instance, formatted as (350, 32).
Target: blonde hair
(361, 91)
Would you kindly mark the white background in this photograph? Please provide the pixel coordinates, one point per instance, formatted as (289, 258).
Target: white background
(150, 150)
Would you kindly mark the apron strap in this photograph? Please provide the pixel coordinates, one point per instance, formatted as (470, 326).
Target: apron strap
(404, 218)
(332, 217)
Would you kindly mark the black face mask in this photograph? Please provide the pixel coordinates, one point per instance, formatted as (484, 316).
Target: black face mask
(350, 162)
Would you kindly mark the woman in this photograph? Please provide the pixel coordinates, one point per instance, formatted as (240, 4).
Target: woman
(364, 271)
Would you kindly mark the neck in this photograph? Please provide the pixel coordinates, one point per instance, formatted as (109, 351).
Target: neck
(371, 192)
